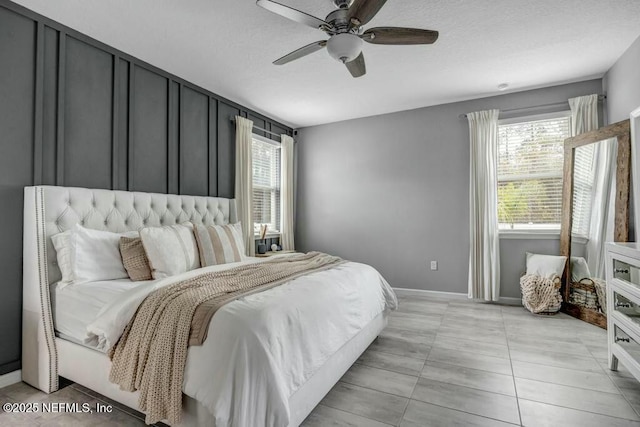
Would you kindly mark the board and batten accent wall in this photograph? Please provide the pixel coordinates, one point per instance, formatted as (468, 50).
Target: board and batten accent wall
(76, 112)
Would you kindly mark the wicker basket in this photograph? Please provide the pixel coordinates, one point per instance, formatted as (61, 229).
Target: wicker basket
(583, 294)
(601, 291)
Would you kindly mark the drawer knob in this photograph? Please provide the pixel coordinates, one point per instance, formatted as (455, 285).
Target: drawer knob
(622, 339)
(621, 270)
(623, 305)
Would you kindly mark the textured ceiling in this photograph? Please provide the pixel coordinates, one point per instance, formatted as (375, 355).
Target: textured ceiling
(227, 46)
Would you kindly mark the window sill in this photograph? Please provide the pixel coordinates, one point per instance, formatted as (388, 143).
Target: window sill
(268, 236)
(539, 234)
(530, 234)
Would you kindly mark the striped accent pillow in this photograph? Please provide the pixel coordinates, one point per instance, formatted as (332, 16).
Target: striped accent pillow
(219, 244)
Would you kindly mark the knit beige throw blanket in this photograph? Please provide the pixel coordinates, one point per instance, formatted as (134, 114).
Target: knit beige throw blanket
(150, 355)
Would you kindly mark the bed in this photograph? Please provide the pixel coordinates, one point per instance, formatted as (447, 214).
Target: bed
(57, 323)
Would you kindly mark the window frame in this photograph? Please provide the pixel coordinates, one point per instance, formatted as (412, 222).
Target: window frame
(278, 145)
(531, 233)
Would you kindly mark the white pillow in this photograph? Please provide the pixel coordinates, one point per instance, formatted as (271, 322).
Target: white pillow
(579, 269)
(97, 255)
(171, 249)
(545, 265)
(64, 246)
(86, 255)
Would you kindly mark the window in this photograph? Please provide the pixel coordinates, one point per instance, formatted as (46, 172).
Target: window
(530, 164)
(583, 179)
(266, 184)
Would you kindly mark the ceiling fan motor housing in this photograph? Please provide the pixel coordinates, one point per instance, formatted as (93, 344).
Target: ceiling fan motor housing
(344, 47)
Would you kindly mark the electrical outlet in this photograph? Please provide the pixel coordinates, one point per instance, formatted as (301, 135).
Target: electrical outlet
(434, 265)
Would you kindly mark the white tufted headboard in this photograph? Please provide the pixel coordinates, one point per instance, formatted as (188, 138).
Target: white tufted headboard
(51, 210)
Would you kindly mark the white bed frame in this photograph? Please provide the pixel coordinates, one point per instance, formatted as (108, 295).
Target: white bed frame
(45, 357)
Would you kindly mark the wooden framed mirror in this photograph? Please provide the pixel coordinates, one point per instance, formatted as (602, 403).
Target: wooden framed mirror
(595, 209)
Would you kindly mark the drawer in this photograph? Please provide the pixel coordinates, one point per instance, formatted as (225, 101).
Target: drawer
(626, 272)
(627, 307)
(627, 343)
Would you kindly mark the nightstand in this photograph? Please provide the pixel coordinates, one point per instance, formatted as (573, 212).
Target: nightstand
(271, 253)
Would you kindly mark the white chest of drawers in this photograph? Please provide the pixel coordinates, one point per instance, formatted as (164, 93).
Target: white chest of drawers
(623, 306)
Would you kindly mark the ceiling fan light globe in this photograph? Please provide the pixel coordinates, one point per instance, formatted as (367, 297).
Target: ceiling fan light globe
(344, 47)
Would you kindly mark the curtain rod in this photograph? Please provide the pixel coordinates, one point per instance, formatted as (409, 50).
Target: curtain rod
(557, 104)
(233, 120)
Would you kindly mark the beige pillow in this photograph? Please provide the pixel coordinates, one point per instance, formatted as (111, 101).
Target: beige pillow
(171, 249)
(135, 259)
(219, 244)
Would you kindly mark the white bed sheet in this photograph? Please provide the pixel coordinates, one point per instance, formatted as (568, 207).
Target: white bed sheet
(76, 306)
(260, 349)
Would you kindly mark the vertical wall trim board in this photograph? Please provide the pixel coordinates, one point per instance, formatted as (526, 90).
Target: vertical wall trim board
(115, 114)
(180, 134)
(62, 63)
(130, 125)
(213, 147)
(38, 121)
(168, 130)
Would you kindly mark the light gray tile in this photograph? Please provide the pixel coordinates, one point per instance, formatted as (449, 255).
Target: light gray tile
(536, 414)
(380, 379)
(493, 336)
(575, 398)
(422, 307)
(403, 343)
(563, 376)
(18, 419)
(392, 362)
(471, 360)
(478, 402)
(529, 343)
(421, 414)
(466, 322)
(414, 323)
(67, 420)
(324, 416)
(560, 360)
(481, 380)
(23, 393)
(379, 406)
(621, 372)
(488, 349)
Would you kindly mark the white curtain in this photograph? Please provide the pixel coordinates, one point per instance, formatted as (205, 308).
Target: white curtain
(484, 254)
(244, 181)
(584, 118)
(584, 114)
(287, 193)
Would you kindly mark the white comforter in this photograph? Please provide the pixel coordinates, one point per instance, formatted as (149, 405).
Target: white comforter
(262, 348)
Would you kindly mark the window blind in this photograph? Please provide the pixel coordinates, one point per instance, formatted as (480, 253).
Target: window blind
(530, 164)
(266, 185)
(583, 178)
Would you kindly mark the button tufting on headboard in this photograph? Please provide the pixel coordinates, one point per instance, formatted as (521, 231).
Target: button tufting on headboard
(121, 211)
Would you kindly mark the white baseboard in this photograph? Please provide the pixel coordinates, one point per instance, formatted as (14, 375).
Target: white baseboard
(454, 295)
(10, 378)
(510, 301)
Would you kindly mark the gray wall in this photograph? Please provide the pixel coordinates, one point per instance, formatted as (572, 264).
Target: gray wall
(75, 112)
(622, 84)
(393, 191)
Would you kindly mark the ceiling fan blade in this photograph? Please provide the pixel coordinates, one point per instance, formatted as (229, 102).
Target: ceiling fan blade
(357, 67)
(303, 51)
(291, 13)
(399, 36)
(365, 10)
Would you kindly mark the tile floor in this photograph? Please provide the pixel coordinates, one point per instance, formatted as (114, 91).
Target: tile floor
(444, 362)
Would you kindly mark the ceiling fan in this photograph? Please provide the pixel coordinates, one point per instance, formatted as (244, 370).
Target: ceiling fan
(344, 27)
